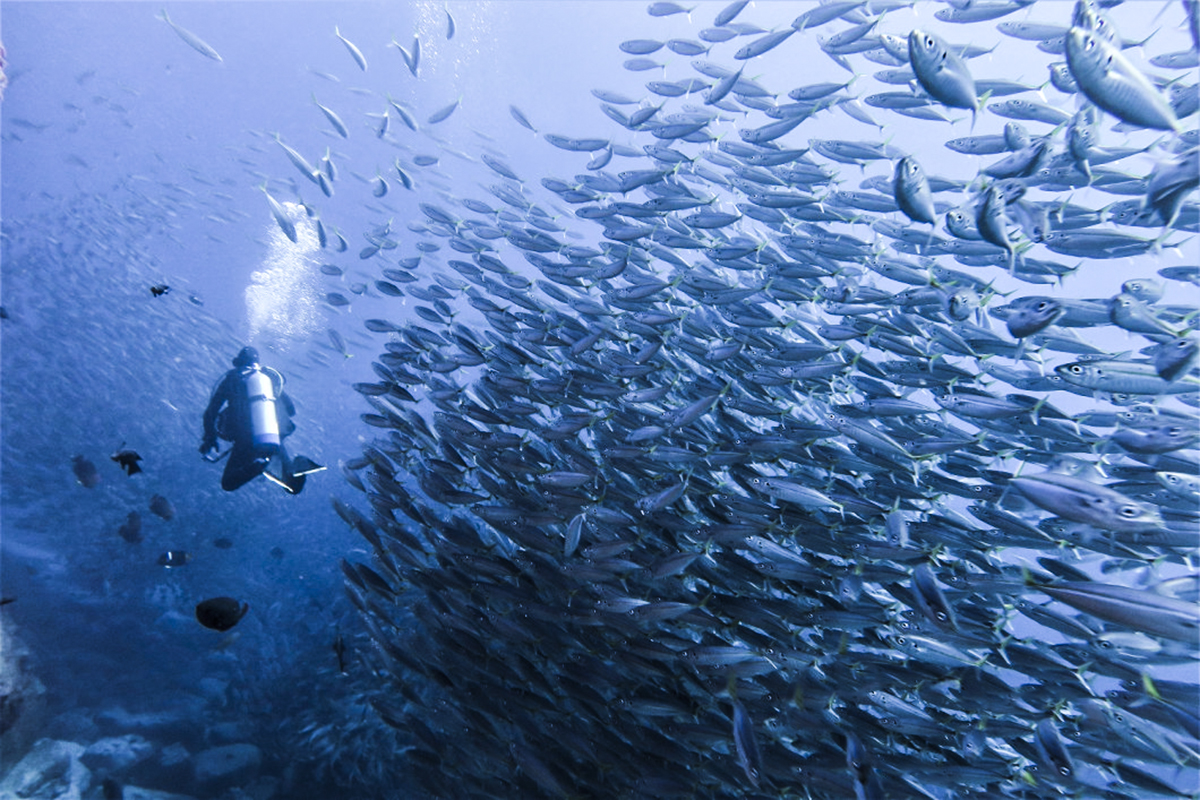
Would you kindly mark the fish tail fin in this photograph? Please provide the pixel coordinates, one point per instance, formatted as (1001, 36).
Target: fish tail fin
(1030, 579)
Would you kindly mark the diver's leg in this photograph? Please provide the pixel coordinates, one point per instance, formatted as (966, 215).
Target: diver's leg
(293, 483)
(243, 466)
(285, 461)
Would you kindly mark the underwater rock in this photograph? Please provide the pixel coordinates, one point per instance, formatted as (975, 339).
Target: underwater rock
(75, 726)
(50, 771)
(169, 767)
(215, 690)
(22, 695)
(119, 721)
(228, 732)
(140, 793)
(116, 754)
(265, 787)
(221, 768)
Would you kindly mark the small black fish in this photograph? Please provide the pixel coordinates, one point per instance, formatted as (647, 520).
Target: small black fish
(339, 648)
(159, 289)
(277, 552)
(4, 313)
(6, 600)
(173, 559)
(223, 542)
(220, 613)
(85, 472)
(128, 459)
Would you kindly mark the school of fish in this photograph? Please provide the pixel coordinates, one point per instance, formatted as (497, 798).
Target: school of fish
(771, 465)
(726, 473)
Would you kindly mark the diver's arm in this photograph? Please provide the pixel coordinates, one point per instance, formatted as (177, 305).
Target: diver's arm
(220, 397)
(288, 405)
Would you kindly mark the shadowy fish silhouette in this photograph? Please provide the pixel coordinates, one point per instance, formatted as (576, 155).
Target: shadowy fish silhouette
(220, 613)
(85, 472)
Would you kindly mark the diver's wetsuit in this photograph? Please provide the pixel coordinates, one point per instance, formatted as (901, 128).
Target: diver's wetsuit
(228, 416)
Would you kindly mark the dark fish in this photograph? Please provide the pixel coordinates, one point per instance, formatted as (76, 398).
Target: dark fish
(223, 542)
(131, 528)
(6, 600)
(162, 507)
(220, 613)
(339, 649)
(159, 289)
(128, 459)
(85, 471)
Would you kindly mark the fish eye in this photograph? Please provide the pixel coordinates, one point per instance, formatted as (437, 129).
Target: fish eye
(1064, 770)
(1076, 369)
(1128, 512)
(1042, 306)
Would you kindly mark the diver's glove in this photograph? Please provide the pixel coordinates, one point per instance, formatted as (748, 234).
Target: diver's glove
(207, 445)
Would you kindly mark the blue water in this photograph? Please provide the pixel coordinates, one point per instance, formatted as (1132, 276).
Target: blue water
(130, 159)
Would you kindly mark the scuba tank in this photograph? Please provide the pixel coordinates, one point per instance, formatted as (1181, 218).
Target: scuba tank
(264, 420)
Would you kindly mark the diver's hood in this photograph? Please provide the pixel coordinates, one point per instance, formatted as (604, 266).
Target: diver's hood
(245, 357)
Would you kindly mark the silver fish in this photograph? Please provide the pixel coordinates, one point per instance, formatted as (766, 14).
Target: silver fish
(1083, 501)
(941, 72)
(1111, 82)
(194, 41)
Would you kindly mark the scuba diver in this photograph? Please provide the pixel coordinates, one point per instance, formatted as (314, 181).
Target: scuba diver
(249, 408)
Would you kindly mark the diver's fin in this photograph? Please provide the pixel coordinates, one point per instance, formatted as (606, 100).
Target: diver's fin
(303, 465)
(284, 482)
